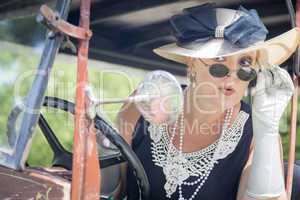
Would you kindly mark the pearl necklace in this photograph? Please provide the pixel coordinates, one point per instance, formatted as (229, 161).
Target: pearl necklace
(178, 166)
(183, 176)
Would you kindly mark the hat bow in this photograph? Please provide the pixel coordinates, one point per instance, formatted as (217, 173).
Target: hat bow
(199, 24)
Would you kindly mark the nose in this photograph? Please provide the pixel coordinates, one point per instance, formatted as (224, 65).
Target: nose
(232, 63)
(229, 73)
(229, 76)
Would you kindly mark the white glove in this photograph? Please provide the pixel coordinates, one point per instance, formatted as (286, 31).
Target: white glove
(270, 98)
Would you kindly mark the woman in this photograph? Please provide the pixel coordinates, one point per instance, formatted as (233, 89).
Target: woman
(209, 152)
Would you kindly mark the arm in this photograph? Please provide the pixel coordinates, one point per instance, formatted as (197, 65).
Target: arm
(126, 120)
(245, 175)
(265, 177)
(125, 123)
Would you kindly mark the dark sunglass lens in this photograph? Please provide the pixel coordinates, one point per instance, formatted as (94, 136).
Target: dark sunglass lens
(218, 70)
(246, 73)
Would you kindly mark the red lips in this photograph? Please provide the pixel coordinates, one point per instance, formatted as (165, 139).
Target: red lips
(227, 90)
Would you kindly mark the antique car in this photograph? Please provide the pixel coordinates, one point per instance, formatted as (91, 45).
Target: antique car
(39, 41)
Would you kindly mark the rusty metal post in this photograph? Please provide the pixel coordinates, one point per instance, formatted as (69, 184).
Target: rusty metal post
(292, 139)
(86, 169)
(293, 127)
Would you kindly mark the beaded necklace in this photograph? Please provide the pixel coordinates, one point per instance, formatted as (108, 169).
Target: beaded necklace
(178, 166)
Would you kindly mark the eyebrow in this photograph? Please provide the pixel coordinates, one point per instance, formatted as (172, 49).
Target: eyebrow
(248, 56)
(205, 64)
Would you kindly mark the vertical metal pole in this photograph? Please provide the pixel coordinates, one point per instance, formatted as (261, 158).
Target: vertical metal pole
(293, 127)
(86, 169)
(292, 140)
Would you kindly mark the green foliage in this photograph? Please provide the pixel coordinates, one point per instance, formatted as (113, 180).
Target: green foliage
(284, 131)
(40, 152)
(17, 70)
(105, 83)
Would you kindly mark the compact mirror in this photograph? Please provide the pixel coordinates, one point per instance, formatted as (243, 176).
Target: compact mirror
(158, 97)
(161, 97)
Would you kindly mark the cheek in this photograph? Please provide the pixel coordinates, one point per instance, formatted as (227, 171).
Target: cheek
(204, 77)
(237, 97)
(241, 88)
(207, 85)
(201, 73)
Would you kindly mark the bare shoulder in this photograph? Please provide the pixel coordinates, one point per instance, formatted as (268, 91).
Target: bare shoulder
(126, 119)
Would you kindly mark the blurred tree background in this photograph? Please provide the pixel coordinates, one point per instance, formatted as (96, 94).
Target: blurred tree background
(107, 83)
(17, 68)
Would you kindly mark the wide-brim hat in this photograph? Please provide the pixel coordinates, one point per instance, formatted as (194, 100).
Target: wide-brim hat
(273, 51)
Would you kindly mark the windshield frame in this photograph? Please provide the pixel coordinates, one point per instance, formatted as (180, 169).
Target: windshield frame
(17, 159)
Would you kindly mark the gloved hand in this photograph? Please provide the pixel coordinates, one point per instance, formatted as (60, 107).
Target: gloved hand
(270, 97)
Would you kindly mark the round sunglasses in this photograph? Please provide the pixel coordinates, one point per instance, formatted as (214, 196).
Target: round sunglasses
(244, 72)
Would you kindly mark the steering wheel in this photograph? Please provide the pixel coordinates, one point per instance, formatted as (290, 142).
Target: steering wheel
(63, 158)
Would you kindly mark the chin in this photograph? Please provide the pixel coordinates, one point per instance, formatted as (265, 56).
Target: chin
(229, 102)
(216, 105)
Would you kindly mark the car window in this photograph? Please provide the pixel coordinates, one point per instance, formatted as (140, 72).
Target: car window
(21, 41)
(108, 81)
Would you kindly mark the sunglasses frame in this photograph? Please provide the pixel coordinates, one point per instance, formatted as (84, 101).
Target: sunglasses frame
(253, 71)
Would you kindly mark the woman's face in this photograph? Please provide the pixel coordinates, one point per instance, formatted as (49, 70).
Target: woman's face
(214, 93)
